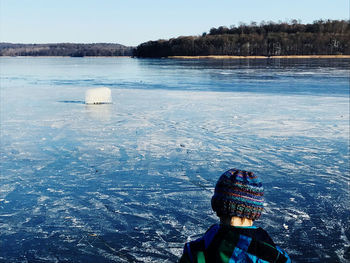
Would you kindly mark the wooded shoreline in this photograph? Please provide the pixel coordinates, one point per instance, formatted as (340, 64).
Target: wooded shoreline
(65, 50)
(205, 57)
(322, 39)
(288, 40)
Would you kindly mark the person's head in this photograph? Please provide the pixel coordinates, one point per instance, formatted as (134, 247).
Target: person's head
(238, 194)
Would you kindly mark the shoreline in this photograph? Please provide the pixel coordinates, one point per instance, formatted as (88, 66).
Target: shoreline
(203, 57)
(258, 57)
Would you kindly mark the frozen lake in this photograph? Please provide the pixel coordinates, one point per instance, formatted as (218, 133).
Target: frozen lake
(132, 181)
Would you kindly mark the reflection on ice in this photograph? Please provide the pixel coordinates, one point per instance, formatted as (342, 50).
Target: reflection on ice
(100, 112)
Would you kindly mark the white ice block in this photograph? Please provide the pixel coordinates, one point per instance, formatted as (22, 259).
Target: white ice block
(98, 96)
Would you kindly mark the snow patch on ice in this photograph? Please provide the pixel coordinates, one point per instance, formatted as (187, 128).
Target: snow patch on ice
(98, 96)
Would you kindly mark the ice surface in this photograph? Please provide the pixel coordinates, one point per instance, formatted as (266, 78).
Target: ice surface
(132, 181)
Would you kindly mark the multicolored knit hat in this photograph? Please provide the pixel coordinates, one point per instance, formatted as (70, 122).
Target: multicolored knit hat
(238, 193)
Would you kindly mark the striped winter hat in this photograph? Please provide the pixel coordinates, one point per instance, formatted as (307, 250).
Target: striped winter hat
(238, 193)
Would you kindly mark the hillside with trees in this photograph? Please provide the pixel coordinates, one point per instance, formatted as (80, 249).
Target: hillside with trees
(65, 49)
(323, 37)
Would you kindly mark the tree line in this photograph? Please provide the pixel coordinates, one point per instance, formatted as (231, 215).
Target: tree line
(322, 37)
(65, 49)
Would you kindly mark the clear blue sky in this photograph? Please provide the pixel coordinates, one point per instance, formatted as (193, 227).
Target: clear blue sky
(131, 22)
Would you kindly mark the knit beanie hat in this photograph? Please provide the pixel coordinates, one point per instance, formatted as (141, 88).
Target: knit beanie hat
(238, 193)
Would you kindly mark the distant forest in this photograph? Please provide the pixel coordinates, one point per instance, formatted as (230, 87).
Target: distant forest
(323, 37)
(65, 49)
